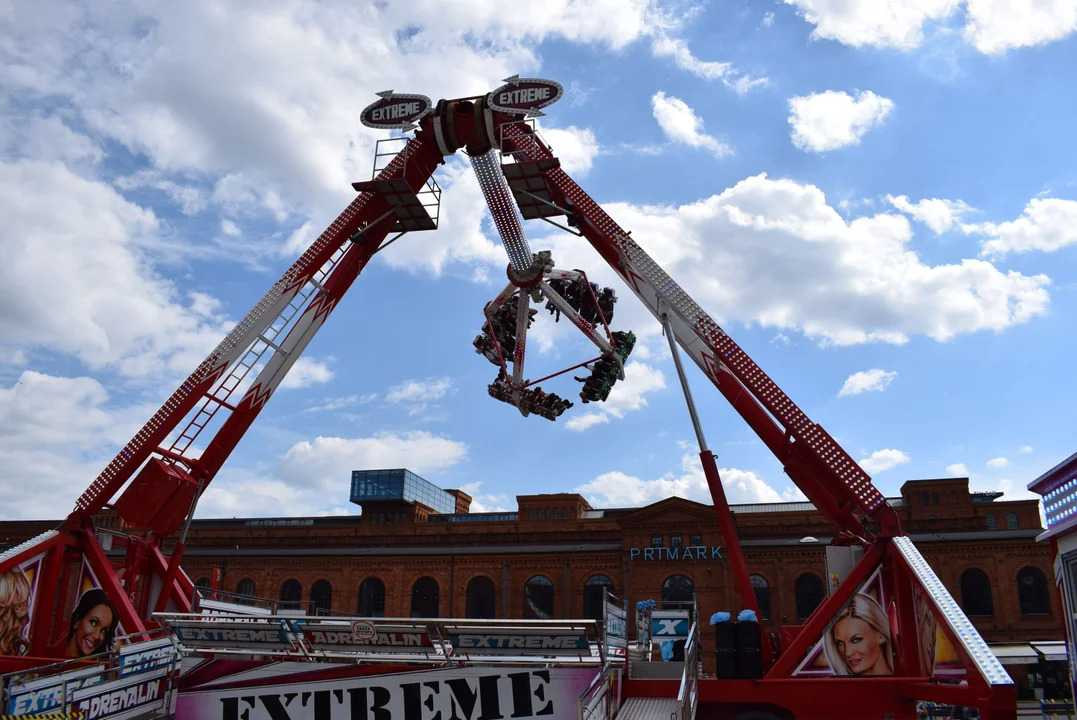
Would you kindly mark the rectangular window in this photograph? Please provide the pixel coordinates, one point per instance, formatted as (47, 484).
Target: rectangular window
(656, 541)
(696, 540)
(675, 541)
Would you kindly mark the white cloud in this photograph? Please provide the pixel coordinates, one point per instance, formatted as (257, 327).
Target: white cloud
(768, 19)
(617, 489)
(958, 470)
(681, 124)
(874, 380)
(939, 215)
(340, 403)
(106, 305)
(230, 228)
(419, 391)
(55, 433)
(627, 395)
(999, 462)
(831, 120)
(312, 478)
(776, 254)
(676, 48)
(995, 26)
(575, 147)
(190, 199)
(1047, 224)
(882, 23)
(992, 26)
(882, 460)
(587, 420)
(487, 502)
(1026, 449)
(305, 372)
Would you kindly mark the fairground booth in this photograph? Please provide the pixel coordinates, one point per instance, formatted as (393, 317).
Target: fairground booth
(1058, 487)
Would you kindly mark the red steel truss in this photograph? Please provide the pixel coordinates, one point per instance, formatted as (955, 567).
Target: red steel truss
(155, 480)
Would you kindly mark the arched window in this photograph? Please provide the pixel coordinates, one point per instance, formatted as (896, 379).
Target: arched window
(245, 587)
(425, 599)
(934, 498)
(594, 596)
(538, 598)
(291, 594)
(202, 582)
(1011, 521)
(761, 588)
(480, 598)
(564, 513)
(976, 593)
(547, 513)
(371, 598)
(321, 597)
(992, 523)
(678, 588)
(809, 593)
(1032, 592)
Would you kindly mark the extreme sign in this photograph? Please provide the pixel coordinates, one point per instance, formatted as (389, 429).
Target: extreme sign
(255, 634)
(395, 111)
(525, 96)
(519, 643)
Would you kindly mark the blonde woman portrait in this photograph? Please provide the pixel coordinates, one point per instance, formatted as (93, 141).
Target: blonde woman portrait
(858, 641)
(14, 612)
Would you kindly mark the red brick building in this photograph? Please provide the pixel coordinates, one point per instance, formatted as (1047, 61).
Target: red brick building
(556, 554)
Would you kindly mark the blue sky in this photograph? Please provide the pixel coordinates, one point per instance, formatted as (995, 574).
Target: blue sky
(878, 202)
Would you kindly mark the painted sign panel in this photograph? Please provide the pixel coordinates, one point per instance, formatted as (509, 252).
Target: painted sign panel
(395, 110)
(857, 641)
(146, 656)
(341, 637)
(520, 643)
(18, 592)
(525, 96)
(468, 693)
(129, 697)
(616, 626)
(669, 624)
(254, 633)
(44, 694)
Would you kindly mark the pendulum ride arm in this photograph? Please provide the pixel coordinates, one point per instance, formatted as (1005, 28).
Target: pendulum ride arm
(326, 271)
(272, 336)
(826, 474)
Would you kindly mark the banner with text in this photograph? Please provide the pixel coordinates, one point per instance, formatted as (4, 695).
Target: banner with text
(519, 642)
(364, 636)
(616, 626)
(471, 693)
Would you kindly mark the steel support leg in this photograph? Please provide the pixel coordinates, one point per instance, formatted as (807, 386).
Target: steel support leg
(714, 484)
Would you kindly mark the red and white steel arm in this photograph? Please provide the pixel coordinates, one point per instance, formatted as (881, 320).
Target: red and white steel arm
(826, 474)
(325, 271)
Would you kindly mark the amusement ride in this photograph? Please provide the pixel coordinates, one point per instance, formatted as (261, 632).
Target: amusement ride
(154, 482)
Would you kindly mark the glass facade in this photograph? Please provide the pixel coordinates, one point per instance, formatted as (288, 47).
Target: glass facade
(399, 484)
(476, 517)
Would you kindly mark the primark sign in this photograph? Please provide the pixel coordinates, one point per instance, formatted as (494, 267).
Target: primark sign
(677, 554)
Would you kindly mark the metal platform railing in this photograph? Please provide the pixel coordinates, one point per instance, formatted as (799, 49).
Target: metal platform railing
(413, 640)
(139, 677)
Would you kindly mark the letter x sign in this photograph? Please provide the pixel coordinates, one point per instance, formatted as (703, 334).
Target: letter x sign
(672, 627)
